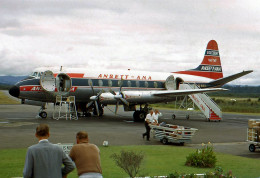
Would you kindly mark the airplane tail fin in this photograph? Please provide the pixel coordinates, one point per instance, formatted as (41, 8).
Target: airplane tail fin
(210, 66)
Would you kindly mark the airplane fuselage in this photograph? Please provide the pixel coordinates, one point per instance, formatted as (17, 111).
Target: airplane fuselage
(82, 79)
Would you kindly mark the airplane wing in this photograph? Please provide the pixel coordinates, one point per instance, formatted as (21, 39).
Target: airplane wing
(172, 93)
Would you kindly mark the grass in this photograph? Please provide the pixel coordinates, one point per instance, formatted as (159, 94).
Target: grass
(6, 100)
(159, 160)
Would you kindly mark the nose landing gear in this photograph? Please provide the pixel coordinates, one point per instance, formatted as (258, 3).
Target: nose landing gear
(42, 113)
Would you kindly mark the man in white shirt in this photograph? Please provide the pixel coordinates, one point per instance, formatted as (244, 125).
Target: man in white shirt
(156, 115)
(148, 120)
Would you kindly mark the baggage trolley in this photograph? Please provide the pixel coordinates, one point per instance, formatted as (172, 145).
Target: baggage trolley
(168, 133)
(253, 137)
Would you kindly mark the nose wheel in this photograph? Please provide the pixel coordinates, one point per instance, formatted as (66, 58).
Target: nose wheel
(43, 114)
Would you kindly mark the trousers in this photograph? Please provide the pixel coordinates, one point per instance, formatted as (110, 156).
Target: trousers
(147, 133)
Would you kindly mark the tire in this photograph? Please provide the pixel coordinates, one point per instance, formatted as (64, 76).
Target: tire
(187, 117)
(139, 116)
(173, 116)
(252, 148)
(136, 116)
(165, 141)
(142, 115)
(43, 114)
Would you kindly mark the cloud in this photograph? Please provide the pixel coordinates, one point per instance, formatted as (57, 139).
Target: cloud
(142, 35)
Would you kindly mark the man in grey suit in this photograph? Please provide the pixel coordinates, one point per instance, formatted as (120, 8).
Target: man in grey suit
(44, 160)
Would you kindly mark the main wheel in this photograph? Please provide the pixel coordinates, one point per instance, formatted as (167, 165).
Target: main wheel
(165, 141)
(43, 114)
(173, 116)
(252, 148)
(139, 116)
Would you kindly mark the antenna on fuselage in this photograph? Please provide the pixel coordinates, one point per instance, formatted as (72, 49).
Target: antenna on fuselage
(60, 68)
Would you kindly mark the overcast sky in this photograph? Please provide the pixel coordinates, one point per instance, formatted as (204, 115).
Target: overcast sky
(151, 35)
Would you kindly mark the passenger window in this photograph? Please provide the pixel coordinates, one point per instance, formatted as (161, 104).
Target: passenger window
(137, 83)
(90, 82)
(155, 84)
(120, 83)
(129, 83)
(100, 83)
(146, 84)
(110, 83)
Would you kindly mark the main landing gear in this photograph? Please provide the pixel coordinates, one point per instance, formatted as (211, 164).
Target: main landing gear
(139, 115)
(42, 113)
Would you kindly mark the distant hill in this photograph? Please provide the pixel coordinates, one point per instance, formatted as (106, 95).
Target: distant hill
(10, 80)
(239, 91)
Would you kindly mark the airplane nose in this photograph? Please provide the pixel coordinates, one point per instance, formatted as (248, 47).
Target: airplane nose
(14, 91)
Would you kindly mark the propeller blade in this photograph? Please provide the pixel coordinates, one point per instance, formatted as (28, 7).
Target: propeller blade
(99, 93)
(92, 88)
(116, 109)
(113, 92)
(124, 101)
(96, 104)
(89, 104)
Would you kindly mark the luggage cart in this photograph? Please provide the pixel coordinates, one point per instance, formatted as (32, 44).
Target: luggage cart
(168, 133)
(253, 137)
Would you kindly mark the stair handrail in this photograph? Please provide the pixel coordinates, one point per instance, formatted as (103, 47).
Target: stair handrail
(213, 105)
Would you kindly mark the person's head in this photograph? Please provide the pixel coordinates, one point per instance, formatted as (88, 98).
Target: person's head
(156, 111)
(151, 112)
(42, 131)
(82, 136)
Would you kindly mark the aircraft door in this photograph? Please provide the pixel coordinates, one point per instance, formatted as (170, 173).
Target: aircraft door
(63, 82)
(47, 81)
(170, 83)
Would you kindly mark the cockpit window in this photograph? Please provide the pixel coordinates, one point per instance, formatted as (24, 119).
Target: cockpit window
(36, 74)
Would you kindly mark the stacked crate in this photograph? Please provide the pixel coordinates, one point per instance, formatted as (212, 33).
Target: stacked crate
(253, 133)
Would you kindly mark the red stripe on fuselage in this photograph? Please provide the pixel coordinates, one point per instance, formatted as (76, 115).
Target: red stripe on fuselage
(31, 88)
(39, 88)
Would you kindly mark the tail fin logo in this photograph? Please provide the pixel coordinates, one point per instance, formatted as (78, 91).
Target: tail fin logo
(212, 60)
(211, 53)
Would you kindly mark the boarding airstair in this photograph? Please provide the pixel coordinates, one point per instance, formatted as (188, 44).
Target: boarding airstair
(65, 107)
(206, 105)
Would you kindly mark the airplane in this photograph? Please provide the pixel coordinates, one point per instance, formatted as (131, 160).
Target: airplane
(94, 89)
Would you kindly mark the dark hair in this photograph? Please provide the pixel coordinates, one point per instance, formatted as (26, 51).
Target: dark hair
(82, 135)
(42, 130)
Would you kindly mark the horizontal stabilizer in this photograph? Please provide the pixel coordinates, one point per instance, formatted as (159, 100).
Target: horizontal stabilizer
(222, 81)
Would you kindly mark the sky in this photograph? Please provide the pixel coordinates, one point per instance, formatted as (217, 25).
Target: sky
(149, 35)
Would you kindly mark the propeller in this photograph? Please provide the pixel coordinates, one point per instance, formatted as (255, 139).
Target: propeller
(94, 99)
(119, 97)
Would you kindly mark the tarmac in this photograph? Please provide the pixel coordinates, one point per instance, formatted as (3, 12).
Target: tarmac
(18, 123)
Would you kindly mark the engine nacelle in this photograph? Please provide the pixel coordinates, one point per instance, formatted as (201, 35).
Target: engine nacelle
(130, 96)
(32, 102)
